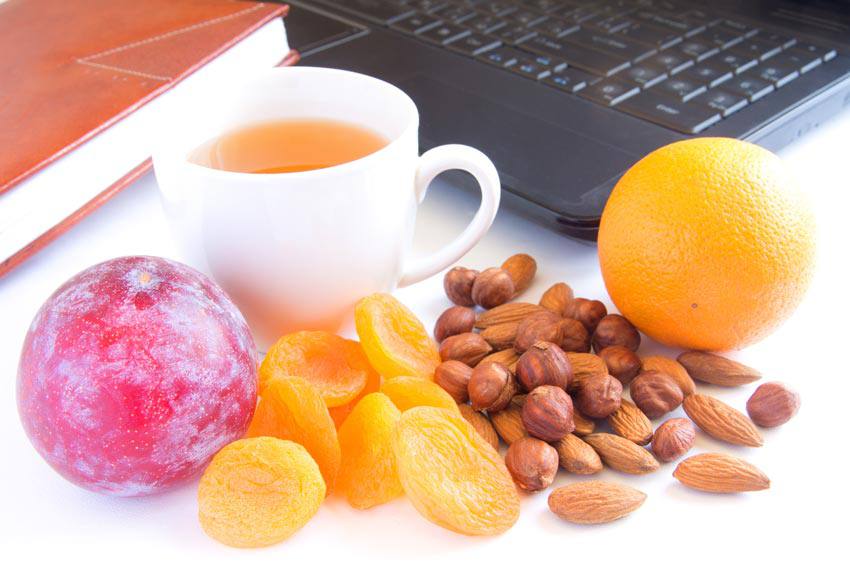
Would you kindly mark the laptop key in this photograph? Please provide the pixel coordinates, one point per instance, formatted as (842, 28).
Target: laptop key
(684, 117)
(570, 79)
(496, 7)
(825, 53)
(643, 75)
(543, 5)
(776, 72)
(456, 14)
(380, 11)
(680, 88)
(656, 37)
(610, 92)
(779, 39)
(524, 17)
(608, 24)
(756, 48)
(444, 33)
(528, 67)
(799, 60)
(735, 62)
(670, 61)
(680, 26)
(708, 74)
(749, 86)
(514, 35)
(697, 49)
(556, 27)
(722, 101)
(482, 23)
(501, 56)
(427, 5)
(619, 46)
(416, 22)
(721, 37)
(474, 44)
(596, 62)
(739, 27)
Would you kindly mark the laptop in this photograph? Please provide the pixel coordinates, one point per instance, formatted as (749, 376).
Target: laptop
(565, 95)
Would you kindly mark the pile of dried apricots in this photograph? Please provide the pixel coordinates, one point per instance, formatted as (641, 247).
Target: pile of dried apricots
(363, 419)
(387, 416)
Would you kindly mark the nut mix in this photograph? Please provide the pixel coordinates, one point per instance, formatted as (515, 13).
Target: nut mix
(422, 418)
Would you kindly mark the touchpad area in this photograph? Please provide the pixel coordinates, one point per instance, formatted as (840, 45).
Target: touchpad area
(568, 171)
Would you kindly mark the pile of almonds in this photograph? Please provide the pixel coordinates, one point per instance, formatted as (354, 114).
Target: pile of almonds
(541, 376)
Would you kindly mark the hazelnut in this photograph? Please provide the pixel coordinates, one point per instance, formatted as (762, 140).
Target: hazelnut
(468, 348)
(615, 330)
(558, 299)
(622, 362)
(454, 321)
(491, 387)
(544, 364)
(548, 413)
(574, 336)
(453, 377)
(492, 287)
(655, 393)
(673, 438)
(772, 404)
(599, 396)
(589, 312)
(532, 463)
(543, 326)
(458, 285)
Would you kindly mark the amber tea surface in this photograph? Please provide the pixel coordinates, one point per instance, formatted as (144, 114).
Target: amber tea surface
(284, 146)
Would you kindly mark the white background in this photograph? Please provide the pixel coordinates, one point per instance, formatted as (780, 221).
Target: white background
(802, 518)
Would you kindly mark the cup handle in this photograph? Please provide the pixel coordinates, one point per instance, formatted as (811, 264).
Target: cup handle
(431, 164)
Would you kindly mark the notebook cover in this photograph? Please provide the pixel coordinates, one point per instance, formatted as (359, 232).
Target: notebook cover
(95, 62)
(68, 70)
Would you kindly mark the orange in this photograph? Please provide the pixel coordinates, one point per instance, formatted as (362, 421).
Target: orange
(707, 244)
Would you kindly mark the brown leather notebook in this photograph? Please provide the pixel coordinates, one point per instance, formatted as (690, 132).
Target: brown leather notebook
(73, 76)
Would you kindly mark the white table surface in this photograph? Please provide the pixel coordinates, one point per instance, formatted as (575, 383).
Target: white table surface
(801, 518)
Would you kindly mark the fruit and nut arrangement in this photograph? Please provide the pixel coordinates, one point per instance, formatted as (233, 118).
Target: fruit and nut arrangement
(550, 377)
(395, 413)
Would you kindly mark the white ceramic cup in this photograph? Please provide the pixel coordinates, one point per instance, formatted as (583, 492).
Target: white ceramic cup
(297, 250)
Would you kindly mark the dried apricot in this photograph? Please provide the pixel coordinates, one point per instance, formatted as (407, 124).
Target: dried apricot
(339, 413)
(452, 475)
(409, 391)
(336, 366)
(368, 474)
(395, 341)
(291, 408)
(259, 491)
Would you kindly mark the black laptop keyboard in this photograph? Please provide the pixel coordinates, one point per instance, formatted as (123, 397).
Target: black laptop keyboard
(665, 62)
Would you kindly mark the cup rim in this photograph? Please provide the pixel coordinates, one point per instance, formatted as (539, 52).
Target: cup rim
(341, 168)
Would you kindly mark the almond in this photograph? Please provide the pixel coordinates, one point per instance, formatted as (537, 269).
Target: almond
(507, 313)
(714, 369)
(672, 369)
(594, 501)
(481, 424)
(584, 425)
(558, 299)
(722, 421)
(629, 422)
(521, 268)
(716, 472)
(585, 366)
(508, 422)
(621, 454)
(508, 357)
(501, 336)
(576, 456)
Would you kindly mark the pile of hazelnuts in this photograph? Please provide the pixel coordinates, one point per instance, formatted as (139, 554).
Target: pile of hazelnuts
(525, 348)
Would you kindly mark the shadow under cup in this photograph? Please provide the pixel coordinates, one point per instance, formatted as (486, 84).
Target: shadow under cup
(294, 250)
